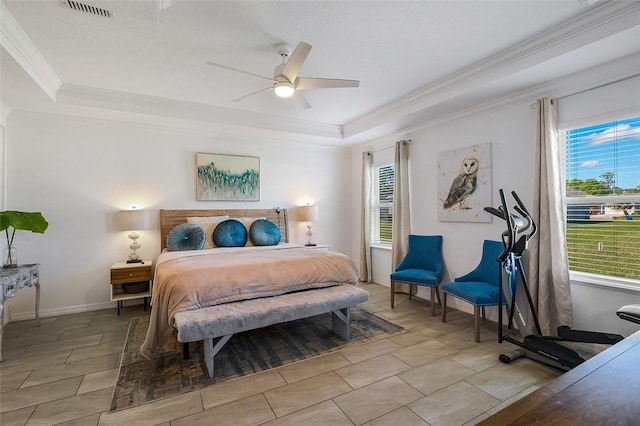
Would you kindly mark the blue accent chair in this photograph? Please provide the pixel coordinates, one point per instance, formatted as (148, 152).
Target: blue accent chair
(479, 287)
(422, 265)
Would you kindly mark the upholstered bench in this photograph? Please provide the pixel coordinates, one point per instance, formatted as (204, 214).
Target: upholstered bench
(223, 321)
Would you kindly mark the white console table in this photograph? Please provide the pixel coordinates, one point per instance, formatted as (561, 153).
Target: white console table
(13, 279)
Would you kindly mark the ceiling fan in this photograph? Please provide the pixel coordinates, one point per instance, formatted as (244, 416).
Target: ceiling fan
(285, 80)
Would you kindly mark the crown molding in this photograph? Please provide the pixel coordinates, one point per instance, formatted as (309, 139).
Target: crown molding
(217, 131)
(121, 101)
(599, 22)
(568, 85)
(145, 110)
(19, 46)
(580, 81)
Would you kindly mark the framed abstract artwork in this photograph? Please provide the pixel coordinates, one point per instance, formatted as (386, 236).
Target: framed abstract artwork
(464, 184)
(227, 177)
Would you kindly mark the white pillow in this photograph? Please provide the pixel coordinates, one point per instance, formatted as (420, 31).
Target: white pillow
(247, 221)
(208, 223)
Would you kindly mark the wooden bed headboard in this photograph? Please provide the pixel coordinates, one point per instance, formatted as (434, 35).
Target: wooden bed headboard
(170, 218)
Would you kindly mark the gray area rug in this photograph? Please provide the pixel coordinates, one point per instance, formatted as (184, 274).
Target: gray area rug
(141, 381)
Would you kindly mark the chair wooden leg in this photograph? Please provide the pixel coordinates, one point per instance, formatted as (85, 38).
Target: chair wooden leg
(410, 290)
(433, 301)
(393, 293)
(444, 307)
(438, 295)
(484, 314)
(476, 322)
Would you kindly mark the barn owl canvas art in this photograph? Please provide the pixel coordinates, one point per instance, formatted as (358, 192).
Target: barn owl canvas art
(464, 184)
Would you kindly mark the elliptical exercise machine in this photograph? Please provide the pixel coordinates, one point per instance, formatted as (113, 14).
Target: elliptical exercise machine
(546, 349)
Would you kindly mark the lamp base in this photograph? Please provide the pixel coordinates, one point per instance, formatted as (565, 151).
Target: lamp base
(310, 245)
(135, 261)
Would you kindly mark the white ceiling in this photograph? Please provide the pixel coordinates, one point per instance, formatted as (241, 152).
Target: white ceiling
(415, 60)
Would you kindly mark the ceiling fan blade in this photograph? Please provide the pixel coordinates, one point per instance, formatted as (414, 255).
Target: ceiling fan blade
(301, 100)
(295, 61)
(241, 98)
(237, 70)
(308, 83)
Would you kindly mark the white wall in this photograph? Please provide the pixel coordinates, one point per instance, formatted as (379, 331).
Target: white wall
(511, 132)
(79, 173)
(4, 113)
(595, 306)
(2, 166)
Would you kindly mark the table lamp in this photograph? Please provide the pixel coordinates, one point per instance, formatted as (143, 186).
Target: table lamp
(134, 220)
(308, 214)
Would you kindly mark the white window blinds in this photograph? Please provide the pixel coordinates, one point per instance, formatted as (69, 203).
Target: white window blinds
(603, 198)
(382, 205)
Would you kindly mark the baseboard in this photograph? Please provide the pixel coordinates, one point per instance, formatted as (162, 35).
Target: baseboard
(21, 316)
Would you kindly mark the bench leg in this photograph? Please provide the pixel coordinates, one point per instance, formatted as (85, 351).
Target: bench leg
(210, 351)
(185, 350)
(341, 323)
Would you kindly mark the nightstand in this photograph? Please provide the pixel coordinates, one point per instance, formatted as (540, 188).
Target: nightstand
(131, 281)
(322, 247)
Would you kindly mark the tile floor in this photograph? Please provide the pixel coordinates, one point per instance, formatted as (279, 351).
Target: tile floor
(63, 372)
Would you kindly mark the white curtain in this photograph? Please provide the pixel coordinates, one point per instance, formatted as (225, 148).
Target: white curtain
(401, 224)
(548, 266)
(365, 217)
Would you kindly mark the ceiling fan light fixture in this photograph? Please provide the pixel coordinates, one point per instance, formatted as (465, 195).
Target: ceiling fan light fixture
(285, 82)
(283, 89)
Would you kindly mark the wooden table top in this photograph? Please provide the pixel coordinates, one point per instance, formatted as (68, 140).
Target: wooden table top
(604, 390)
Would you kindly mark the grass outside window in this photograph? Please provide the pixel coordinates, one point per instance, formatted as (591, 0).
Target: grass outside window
(605, 247)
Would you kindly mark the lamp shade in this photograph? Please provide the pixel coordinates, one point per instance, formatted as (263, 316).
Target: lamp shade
(308, 213)
(131, 220)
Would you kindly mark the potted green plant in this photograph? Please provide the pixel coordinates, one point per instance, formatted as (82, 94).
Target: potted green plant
(10, 221)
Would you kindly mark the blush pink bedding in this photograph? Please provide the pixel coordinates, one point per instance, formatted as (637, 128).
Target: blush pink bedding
(196, 279)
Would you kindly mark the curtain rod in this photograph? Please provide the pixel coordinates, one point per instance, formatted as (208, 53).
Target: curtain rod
(407, 141)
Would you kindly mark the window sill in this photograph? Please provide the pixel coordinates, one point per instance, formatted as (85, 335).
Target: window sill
(380, 246)
(603, 281)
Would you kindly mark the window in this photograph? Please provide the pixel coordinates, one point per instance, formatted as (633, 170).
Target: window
(603, 198)
(382, 205)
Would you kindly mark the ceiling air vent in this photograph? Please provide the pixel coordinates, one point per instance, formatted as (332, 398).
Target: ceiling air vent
(86, 8)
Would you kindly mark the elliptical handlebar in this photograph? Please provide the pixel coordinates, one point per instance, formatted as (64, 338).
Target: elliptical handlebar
(520, 208)
(495, 212)
(500, 212)
(516, 225)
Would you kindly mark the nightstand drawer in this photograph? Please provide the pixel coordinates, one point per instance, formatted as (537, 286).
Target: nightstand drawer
(130, 275)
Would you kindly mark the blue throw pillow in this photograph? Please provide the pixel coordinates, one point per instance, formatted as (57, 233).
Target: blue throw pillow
(230, 233)
(186, 236)
(264, 233)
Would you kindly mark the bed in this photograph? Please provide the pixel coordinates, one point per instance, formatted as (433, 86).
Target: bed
(209, 295)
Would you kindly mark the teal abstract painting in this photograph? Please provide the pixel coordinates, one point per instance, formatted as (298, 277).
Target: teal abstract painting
(227, 177)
